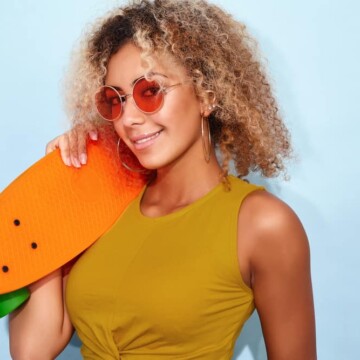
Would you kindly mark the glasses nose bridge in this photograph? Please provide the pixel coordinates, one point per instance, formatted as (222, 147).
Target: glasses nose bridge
(132, 118)
(124, 100)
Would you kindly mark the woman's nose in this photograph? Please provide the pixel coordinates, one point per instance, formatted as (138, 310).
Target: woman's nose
(131, 114)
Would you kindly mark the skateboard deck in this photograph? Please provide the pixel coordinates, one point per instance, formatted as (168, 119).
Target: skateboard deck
(52, 212)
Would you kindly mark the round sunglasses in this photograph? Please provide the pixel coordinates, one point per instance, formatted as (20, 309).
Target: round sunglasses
(148, 97)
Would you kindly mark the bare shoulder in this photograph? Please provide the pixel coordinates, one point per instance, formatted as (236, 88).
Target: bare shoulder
(268, 212)
(270, 228)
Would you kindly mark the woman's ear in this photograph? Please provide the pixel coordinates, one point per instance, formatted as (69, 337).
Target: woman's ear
(208, 104)
(207, 108)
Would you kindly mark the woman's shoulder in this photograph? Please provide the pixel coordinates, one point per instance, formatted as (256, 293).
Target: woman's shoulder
(267, 213)
(260, 208)
(271, 230)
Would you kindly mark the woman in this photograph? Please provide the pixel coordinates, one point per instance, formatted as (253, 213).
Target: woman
(189, 260)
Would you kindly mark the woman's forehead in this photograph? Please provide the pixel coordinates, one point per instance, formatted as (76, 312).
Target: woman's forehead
(130, 62)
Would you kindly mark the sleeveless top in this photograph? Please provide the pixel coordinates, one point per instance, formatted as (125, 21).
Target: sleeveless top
(164, 288)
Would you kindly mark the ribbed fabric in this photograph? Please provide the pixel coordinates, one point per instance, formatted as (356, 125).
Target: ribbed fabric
(166, 287)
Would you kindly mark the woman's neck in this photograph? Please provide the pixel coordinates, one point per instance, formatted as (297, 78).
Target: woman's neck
(179, 185)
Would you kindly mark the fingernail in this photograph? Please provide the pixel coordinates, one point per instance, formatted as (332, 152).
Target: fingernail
(93, 135)
(76, 162)
(83, 159)
(67, 161)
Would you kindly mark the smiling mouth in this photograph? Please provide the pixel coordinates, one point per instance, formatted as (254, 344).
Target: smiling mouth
(147, 138)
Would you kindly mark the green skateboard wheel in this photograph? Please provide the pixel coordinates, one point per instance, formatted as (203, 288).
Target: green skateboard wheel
(11, 301)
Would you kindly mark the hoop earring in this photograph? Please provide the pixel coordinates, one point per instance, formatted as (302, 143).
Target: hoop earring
(126, 166)
(206, 140)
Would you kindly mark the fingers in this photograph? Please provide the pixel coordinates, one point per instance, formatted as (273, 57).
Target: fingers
(72, 144)
(65, 149)
(81, 149)
(91, 132)
(51, 146)
(61, 142)
(73, 136)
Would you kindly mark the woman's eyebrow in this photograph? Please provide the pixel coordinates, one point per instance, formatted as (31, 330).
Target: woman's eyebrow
(135, 80)
(151, 73)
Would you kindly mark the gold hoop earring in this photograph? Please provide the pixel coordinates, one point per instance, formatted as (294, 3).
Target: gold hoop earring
(206, 139)
(124, 164)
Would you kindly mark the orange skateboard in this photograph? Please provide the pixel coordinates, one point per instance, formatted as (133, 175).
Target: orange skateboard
(51, 213)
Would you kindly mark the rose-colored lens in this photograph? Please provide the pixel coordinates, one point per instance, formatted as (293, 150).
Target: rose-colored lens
(108, 103)
(148, 95)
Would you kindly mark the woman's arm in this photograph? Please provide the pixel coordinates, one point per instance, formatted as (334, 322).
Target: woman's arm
(279, 273)
(41, 328)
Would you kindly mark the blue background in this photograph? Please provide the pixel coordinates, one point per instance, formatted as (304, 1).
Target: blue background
(313, 56)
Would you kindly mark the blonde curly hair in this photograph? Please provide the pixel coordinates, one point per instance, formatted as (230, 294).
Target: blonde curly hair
(221, 60)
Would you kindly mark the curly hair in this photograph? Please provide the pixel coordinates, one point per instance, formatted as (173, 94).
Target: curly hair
(221, 60)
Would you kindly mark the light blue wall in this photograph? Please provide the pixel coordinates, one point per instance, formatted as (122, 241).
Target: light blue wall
(313, 52)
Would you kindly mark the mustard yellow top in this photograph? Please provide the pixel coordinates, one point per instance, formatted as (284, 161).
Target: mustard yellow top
(166, 287)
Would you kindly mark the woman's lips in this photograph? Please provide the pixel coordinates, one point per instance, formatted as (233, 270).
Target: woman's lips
(144, 141)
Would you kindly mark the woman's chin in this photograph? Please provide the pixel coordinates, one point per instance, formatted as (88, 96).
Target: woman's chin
(152, 163)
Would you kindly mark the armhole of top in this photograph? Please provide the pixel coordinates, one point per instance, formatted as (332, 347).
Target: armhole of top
(235, 243)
